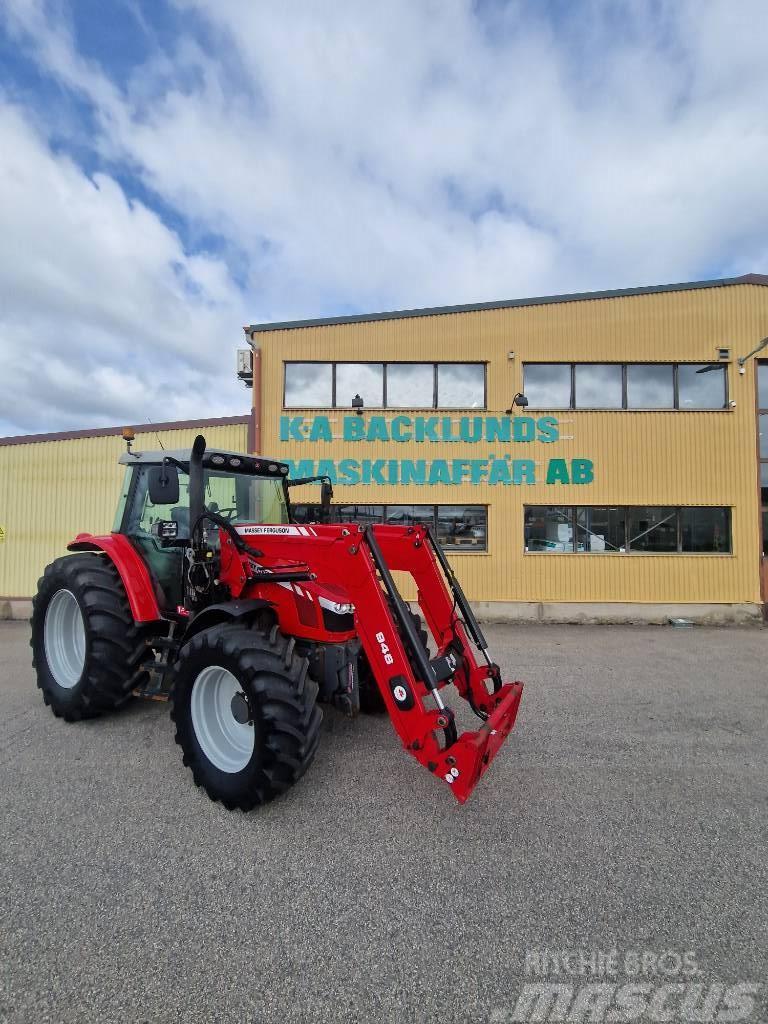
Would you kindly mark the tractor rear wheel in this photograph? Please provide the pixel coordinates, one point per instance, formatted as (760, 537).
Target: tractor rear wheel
(86, 648)
(246, 713)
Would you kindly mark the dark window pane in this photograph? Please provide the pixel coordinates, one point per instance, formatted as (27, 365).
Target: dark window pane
(304, 513)
(600, 529)
(764, 482)
(763, 437)
(705, 529)
(701, 390)
(762, 385)
(649, 386)
(463, 527)
(410, 385)
(598, 386)
(765, 531)
(364, 379)
(652, 529)
(548, 528)
(308, 385)
(547, 385)
(362, 514)
(407, 515)
(461, 386)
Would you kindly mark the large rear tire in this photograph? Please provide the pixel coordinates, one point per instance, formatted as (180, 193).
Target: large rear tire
(86, 648)
(246, 713)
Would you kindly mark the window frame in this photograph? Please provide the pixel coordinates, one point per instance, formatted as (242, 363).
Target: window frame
(385, 363)
(627, 548)
(625, 407)
(465, 549)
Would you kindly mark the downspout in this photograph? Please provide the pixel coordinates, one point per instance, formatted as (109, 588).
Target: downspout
(254, 424)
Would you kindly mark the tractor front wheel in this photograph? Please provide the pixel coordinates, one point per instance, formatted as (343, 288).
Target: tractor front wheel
(246, 713)
(86, 648)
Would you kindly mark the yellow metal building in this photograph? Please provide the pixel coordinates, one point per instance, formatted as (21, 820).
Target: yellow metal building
(632, 479)
(53, 486)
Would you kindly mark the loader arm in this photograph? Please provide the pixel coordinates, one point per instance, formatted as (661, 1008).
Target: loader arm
(411, 683)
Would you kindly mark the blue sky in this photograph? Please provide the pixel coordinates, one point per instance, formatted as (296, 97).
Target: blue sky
(173, 169)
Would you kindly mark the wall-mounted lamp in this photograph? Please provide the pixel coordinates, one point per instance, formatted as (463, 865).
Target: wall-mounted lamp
(357, 405)
(519, 400)
(510, 356)
(742, 359)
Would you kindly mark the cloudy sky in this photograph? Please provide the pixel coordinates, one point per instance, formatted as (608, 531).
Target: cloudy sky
(173, 169)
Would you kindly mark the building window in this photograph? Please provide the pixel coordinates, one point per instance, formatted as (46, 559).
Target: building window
(688, 386)
(548, 385)
(308, 385)
(601, 529)
(650, 386)
(458, 527)
(701, 386)
(460, 385)
(598, 385)
(410, 385)
(364, 379)
(385, 385)
(613, 529)
(652, 529)
(549, 528)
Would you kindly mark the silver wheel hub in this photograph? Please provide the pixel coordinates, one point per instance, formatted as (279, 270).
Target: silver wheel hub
(221, 720)
(64, 638)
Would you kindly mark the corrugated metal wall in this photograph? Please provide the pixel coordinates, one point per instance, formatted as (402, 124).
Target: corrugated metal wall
(52, 490)
(643, 458)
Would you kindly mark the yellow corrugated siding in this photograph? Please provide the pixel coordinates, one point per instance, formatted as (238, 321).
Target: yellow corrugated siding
(643, 458)
(52, 490)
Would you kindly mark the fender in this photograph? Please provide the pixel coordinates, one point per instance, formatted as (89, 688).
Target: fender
(227, 611)
(133, 571)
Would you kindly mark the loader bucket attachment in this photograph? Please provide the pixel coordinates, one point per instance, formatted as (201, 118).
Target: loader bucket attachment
(430, 733)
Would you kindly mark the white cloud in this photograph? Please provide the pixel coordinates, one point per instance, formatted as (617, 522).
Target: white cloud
(103, 315)
(368, 156)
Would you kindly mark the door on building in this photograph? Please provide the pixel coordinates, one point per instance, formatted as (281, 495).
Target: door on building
(762, 423)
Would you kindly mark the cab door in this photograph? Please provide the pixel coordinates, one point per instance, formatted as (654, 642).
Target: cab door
(166, 564)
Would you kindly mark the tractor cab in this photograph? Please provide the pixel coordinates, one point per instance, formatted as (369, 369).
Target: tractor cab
(158, 513)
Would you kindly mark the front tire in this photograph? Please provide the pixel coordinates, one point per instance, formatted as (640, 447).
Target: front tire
(246, 713)
(86, 648)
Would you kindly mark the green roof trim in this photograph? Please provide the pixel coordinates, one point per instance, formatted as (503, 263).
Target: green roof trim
(541, 300)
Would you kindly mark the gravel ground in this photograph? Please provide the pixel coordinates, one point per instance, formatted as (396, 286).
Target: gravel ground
(626, 813)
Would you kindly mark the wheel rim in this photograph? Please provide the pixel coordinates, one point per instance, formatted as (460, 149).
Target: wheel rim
(227, 743)
(64, 636)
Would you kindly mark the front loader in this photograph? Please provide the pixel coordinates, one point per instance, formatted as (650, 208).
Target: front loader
(208, 594)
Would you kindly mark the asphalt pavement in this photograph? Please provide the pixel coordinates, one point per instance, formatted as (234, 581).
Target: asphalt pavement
(626, 815)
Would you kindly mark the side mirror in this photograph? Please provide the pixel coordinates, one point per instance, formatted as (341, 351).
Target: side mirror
(326, 493)
(163, 485)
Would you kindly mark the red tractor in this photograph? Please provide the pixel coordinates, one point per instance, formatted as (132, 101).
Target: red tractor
(207, 593)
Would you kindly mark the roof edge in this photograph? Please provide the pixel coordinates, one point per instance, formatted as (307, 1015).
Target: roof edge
(75, 435)
(474, 307)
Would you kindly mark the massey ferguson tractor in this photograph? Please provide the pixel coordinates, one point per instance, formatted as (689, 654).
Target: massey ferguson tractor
(208, 594)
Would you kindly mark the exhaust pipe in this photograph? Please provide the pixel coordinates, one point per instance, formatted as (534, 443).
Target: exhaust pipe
(196, 484)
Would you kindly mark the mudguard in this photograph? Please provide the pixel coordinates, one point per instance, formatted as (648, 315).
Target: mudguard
(133, 571)
(227, 611)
